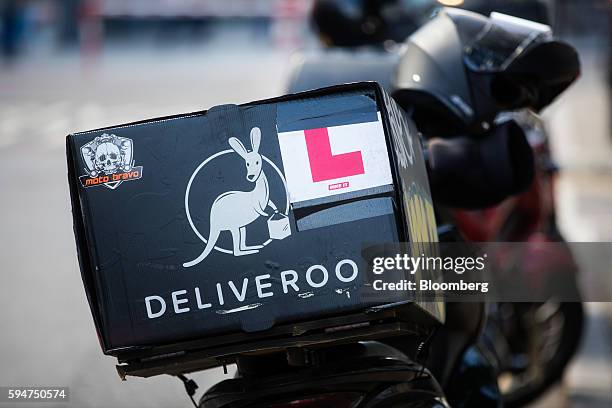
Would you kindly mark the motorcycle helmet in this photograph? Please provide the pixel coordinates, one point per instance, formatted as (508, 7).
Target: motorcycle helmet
(461, 69)
(353, 23)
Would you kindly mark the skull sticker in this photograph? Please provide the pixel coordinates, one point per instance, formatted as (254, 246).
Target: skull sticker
(109, 161)
(108, 158)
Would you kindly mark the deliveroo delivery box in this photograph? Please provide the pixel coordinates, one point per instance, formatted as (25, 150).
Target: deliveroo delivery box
(241, 219)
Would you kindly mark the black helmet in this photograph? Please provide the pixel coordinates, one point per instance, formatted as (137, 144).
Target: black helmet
(351, 23)
(461, 69)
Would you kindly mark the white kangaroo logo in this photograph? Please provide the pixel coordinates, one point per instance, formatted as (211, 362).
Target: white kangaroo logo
(234, 210)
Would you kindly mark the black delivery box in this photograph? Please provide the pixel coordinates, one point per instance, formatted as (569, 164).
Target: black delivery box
(224, 231)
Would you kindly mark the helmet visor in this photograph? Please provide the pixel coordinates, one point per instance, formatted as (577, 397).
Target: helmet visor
(502, 41)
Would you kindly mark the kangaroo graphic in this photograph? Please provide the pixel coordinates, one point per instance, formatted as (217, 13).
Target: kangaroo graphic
(234, 210)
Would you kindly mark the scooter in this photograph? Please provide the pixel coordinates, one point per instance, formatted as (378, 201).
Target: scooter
(410, 370)
(533, 342)
(443, 103)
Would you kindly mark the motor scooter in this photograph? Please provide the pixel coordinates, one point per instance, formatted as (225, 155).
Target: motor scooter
(443, 103)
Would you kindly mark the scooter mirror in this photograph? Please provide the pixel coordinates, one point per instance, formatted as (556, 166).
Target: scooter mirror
(475, 173)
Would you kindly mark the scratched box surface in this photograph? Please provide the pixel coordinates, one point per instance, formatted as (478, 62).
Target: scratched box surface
(240, 217)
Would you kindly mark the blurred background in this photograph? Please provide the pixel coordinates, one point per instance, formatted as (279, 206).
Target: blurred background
(71, 65)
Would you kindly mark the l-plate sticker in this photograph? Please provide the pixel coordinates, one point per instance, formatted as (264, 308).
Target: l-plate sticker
(333, 160)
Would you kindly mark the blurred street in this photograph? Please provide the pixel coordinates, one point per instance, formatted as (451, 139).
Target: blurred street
(579, 123)
(47, 334)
